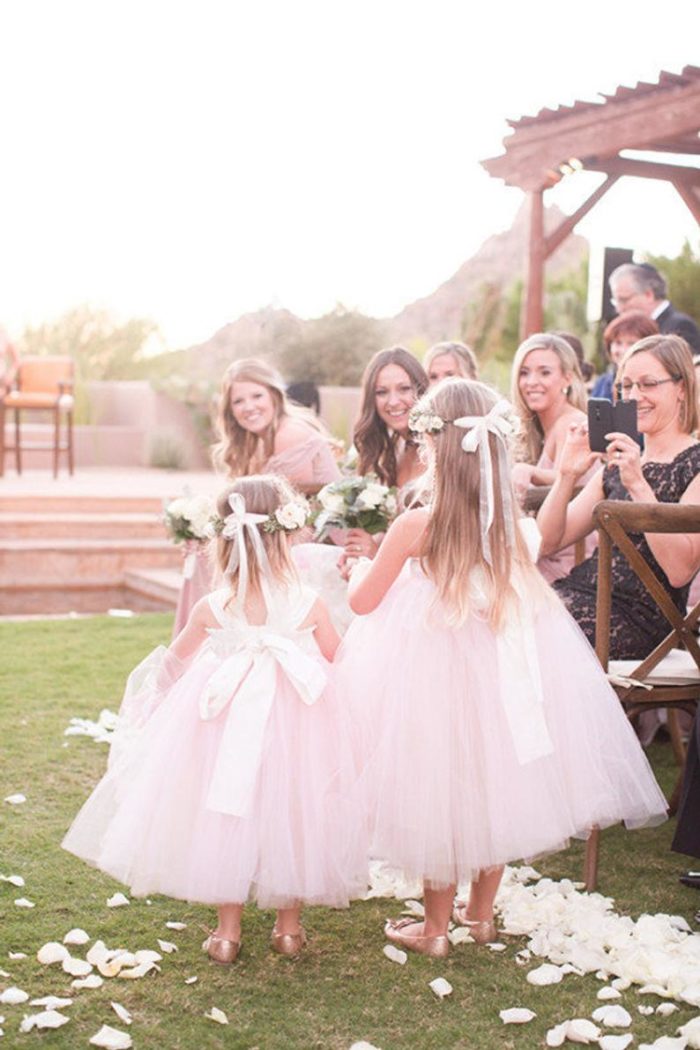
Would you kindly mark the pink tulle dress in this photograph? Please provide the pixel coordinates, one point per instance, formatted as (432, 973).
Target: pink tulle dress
(482, 747)
(310, 463)
(231, 779)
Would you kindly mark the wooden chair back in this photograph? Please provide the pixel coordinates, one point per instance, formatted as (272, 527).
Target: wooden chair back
(37, 374)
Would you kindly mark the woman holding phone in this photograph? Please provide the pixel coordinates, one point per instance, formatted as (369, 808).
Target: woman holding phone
(658, 373)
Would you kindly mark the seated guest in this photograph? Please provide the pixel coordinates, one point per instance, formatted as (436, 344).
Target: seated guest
(640, 286)
(622, 332)
(658, 373)
(450, 359)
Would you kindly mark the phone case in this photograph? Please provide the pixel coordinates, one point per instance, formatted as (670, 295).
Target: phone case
(600, 422)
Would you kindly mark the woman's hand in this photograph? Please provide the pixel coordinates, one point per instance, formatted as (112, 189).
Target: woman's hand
(521, 476)
(624, 453)
(360, 544)
(576, 456)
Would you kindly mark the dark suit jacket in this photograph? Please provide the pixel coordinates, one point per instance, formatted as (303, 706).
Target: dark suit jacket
(673, 322)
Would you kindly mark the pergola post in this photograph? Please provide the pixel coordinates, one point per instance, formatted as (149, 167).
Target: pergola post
(532, 313)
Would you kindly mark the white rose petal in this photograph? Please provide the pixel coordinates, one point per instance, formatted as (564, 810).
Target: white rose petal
(415, 908)
(191, 980)
(138, 971)
(612, 1016)
(691, 994)
(581, 1030)
(98, 953)
(516, 1015)
(460, 935)
(45, 1019)
(92, 981)
(111, 1039)
(215, 1014)
(545, 974)
(665, 1009)
(666, 1042)
(122, 1013)
(691, 1031)
(146, 955)
(77, 937)
(363, 1045)
(13, 997)
(167, 946)
(176, 925)
(52, 953)
(52, 1002)
(556, 1036)
(76, 967)
(22, 902)
(4, 973)
(117, 901)
(14, 880)
(645, 1011)
(615, 1042)
(621, 984)
(441, 987)
(16, 800)
(395, 954)
(496, 946)
(608, 993)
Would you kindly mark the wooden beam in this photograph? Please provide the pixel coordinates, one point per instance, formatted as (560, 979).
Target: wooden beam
(644, 169)
(691, 197)
(562, 231)
(532, 315)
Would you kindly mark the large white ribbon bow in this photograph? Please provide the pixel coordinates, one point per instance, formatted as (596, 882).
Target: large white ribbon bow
(237, 525)
(246, 681)
(498, 421)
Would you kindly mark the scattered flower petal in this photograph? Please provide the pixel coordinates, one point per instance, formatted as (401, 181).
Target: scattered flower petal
(14, 880)
(691, 1031)
(16, 956)
(496, 946)
(16, 800)
(135, 972)
(176, 925)
(363, 1046)
(166, 946)
(118, 900)
(666, 1008)
(652, 989)
(191, 980)
(460, 935)
(122, 1013)
(615, 1042)
(621, 984)
(412, 907)
(557, 1035)
(581, 1030)
(111, 1039)
(665, 1042)
(4, 973)
(516, 1015)
(147, 955)
(77, 937)
(98, 953)
(441, 987)
(608, 993)
(13, 997)
(645, 1011)
(215, 1014)
(45, 1019)
(395, 954)
(612, 1016)
(52, 953)
(92, 981)
(545, 974)
(22, 902)
(52, 1002)
(76, 967)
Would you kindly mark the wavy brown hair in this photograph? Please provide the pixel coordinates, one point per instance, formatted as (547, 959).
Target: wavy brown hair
(262, 494)
(674, 354)
(452, 548)
(237, 448)
(375, 444)
(530, 440)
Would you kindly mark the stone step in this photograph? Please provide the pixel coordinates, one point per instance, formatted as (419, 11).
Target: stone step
(48, 525)
(26, 564)
(46, 503)
(163, 584)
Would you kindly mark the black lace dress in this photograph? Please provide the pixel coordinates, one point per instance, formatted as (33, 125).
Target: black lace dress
(636, 625)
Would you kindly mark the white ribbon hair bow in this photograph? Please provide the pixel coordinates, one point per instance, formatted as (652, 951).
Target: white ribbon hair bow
(498, 421)
(236, 524)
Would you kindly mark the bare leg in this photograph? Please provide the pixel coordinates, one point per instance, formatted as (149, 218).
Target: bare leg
(229, 925)
(287, 920)
(438, 910)
(482, 894)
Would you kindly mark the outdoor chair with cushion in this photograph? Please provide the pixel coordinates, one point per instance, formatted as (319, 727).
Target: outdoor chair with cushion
(43, 384)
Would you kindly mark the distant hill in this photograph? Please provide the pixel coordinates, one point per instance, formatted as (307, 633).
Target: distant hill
(498, 262)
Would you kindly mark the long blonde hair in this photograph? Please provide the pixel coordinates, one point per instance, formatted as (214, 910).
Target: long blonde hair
(530, 440)
(452, 547)
(262, 494)
(238, 449)
(463, 355)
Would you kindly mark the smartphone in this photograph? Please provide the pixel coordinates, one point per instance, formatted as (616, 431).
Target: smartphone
(604, 418)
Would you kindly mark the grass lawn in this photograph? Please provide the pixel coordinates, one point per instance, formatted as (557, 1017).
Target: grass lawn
(341, 990)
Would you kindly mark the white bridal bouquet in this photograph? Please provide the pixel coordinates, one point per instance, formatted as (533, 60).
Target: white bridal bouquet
(355, 503)
(190, 519)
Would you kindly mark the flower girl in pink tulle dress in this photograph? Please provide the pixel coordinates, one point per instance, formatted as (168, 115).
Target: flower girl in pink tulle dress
(230, 778)
(489, 730)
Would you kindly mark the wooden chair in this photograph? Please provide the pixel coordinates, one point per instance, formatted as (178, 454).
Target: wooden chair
(43, 384)
(669, 677)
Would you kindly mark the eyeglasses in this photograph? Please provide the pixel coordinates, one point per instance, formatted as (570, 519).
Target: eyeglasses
(621, 301)
(644, 386)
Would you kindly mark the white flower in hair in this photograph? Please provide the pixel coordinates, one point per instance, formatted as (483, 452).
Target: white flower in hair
(292, 515)
(425, 422)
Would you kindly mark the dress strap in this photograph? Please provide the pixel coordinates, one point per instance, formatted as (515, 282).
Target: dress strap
(217, 603)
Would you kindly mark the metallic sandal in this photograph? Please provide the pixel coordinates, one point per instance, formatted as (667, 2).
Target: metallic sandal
(289, 944)
(221, 950)
(435, 947)
(482, 931)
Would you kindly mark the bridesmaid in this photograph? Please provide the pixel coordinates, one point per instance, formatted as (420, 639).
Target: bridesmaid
(548, 392)
(445, 360)
(260, 432)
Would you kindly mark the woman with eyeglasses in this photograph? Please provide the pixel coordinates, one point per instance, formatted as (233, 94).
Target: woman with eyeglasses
(658, 373)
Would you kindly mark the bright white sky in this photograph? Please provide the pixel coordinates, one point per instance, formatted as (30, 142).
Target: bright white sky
(190, 160)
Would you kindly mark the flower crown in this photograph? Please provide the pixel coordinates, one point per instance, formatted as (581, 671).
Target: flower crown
(427, 421)
(290, 517)
(423, 421)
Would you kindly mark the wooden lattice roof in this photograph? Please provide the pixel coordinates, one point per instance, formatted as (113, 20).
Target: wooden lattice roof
(663, 117)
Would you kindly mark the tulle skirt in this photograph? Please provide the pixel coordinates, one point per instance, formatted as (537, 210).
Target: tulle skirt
(148, 825)
(446, 789)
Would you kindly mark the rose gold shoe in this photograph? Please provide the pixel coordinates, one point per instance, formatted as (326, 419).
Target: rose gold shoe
(481, 931)
(221, 950)
(435, 947)
(289, 944)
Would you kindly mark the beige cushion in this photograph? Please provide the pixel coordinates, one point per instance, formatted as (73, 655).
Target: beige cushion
(675, 668)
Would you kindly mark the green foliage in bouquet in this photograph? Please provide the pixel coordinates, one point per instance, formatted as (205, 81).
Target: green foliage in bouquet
(355, 503)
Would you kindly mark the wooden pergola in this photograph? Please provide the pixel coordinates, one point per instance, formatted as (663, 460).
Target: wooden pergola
(662, 118)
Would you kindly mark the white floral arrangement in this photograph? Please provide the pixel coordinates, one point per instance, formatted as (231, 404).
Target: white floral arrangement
(290, 517)
(355, 503)
(425, 422)
(190, 519)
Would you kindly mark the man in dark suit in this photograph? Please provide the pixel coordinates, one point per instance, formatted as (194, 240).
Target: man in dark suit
(640, 286)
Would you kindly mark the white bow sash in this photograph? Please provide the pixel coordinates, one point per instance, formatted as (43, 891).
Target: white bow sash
(246, 682)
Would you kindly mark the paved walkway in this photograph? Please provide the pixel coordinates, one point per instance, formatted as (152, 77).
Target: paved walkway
(109, 481)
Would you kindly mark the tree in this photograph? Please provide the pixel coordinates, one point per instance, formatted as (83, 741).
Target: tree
(683, 276)
(331, 350)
